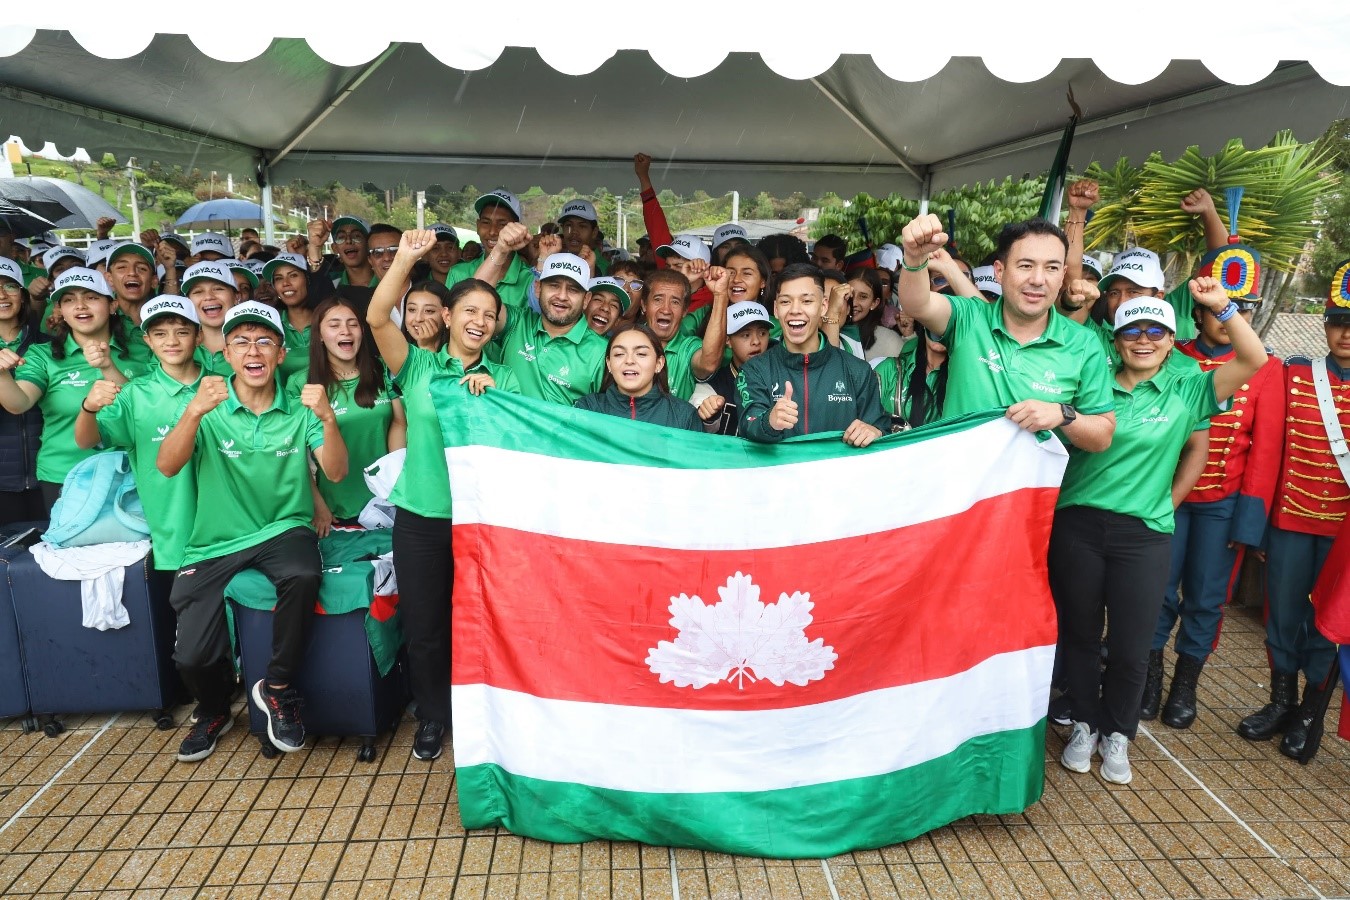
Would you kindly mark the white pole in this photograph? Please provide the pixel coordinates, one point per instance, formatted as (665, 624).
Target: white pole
(735, 206)
(269, 227)
(618, 223)
(421, 210)
(135, 207)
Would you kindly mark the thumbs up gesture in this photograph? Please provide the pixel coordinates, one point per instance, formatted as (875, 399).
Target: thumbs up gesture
(784, 413)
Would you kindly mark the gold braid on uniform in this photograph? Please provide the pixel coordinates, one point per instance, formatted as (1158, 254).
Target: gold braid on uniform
(1309, 514)
(1320, 465)
(1319, 497)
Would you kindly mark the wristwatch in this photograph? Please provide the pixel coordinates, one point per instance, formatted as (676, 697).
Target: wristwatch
(1070, 414)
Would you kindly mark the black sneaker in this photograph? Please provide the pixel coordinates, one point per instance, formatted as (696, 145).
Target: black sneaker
(202, 736)
(1060, 713)
(282, 708)
(430, 739)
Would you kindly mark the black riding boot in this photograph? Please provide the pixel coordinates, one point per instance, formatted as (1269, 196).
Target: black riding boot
(1296, 735)
(1148, 706)
(1180, 709)
(1275, 715)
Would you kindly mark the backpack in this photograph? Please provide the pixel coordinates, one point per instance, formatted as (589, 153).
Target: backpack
(98, 504)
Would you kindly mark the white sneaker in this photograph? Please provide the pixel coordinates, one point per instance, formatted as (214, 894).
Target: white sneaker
(1077, 755)
(1115, 751)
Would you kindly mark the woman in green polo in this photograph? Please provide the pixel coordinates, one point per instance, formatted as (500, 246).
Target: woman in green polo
(88, 343)
(421, 495)
(1110, 546)
(914, 384)
(369, 413)
(296, 291)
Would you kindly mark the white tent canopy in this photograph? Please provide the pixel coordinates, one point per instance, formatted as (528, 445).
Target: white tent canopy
(728, 102)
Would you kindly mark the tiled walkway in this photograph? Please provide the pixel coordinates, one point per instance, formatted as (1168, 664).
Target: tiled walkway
(105, 809)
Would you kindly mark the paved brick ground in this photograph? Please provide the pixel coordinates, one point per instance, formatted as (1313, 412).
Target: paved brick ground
(105, 810)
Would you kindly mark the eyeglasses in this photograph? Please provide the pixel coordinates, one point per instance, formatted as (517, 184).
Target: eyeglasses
(382, 252)
(261, 343)
(631, 285)
(11, 288)
(349, 238)
(1152, 332)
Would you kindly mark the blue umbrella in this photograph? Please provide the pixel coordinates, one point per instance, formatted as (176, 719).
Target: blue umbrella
(225, 212)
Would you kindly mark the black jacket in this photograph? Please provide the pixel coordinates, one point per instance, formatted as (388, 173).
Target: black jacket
(20, 436)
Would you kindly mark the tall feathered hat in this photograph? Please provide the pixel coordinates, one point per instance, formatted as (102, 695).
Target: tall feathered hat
(1236, 266)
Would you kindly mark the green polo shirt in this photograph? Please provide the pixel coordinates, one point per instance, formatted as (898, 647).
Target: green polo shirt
(145, 411)
(64, 383)
(297, 349)
(137, 348)
(893, 376)
(423, 487)
(1133, 476)
(559, 369)
(1184, 305)
(514, 288)
(17, 342)
(31, 273)
(366, 434)
(679, 363)
(345, 279)
(988, 368)
(255, 471)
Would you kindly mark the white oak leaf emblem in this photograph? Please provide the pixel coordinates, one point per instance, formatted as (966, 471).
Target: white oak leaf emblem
(740, 639)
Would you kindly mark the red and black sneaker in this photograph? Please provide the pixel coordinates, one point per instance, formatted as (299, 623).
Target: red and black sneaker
(282, 708)
(202, 736)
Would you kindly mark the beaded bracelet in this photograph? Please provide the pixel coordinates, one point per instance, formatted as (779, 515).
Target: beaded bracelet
(1227, 312)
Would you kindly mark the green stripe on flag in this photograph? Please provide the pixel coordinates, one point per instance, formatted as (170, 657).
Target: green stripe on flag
(525, 425)
(1000, 773)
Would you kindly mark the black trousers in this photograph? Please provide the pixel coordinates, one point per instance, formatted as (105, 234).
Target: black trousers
(292, 563)
(1106, 570)
(426, 573)
(51, 492)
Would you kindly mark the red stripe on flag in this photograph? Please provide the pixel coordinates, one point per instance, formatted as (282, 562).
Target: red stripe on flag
(576, 620)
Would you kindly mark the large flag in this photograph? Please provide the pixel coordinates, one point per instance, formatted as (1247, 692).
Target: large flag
(788, 651)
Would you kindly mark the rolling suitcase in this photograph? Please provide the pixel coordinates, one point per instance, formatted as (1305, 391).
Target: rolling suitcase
(345, 691)
(13, 688)
(73, 669)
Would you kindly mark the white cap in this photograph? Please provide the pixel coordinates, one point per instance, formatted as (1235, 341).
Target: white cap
(567, 265)
(501, 197)
(207, 271)
(445, 231)
(746, 312)
(729, 232)
(888, 256)
(359, 222)
(284, 259)
(177, 239)
(615, 287)
(1091, 262)
(581, 209)
(255, 266)
(80, 277)
(253, 311)
(1135, 264)
(689, 246)
(98, 251)
(1145, 309)
(984, 279)
(211, 242)
(10, 269)
(166, 305)
(56, 254)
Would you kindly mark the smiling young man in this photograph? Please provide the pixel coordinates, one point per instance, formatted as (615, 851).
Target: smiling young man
(1016, 352)
(248, 446)
(804, 385)
(349, 263)
(137, 416)
(501, 264)
(554, 353)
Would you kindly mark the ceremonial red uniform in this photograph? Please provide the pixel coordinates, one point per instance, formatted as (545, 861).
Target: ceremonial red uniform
(1312, 496)
(1237, 464)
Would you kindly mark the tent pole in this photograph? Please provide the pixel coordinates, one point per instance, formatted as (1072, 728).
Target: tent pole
(269, 227)
(925, 193)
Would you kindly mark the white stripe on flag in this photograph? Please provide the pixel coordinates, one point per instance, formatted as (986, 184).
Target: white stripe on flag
(844, 497)
(648, 749)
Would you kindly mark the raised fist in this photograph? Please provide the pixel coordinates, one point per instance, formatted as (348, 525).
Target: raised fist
(1197, 202)
(102, 394)
(1082, 291)
(711, 407)
(1082, 194)
(318, 229)
(642, 167)
(211, 392)
(514, 236)
(1209, 294)
(717, 280)
(920, 237)
(549, 244)
(96, 354)
(9, 360)
(415, 244)
(315, 397)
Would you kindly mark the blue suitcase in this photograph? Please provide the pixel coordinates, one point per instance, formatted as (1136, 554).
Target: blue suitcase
(342, 690)
(13, 688)
(73, 669)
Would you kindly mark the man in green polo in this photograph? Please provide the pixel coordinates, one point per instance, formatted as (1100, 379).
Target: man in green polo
(248, 446)
(1016, 352)
(554, 353)
(501, 264)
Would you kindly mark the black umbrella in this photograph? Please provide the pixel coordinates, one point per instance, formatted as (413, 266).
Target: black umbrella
(35, 197)
(21, 221)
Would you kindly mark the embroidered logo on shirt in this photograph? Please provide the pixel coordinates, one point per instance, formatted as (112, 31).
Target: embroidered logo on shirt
(991, 360)
(163, 433)
(227, 452)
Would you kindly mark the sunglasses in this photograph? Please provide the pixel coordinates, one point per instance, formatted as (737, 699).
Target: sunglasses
(381, 252)
(1152, 332)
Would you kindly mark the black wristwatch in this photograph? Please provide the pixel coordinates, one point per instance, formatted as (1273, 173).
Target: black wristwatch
(1070, 414)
